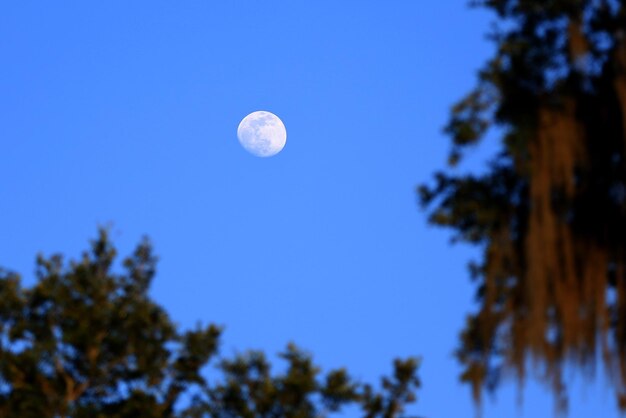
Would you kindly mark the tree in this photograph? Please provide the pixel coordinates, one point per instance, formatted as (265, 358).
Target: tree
(550, 212)
(85, 341)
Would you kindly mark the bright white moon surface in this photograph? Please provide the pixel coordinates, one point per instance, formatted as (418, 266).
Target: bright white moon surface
(262, 134)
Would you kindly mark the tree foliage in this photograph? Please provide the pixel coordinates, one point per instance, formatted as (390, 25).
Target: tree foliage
(550, 212)
(85, 341)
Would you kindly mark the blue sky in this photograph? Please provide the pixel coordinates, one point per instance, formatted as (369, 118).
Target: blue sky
(125, 114)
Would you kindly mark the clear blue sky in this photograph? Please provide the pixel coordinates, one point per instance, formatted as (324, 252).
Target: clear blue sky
(125, 113)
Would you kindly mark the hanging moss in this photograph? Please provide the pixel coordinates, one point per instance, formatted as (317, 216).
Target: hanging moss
(550, 214)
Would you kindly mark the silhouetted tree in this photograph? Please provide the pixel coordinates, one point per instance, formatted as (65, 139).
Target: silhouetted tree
(550, 213)
(85, 341)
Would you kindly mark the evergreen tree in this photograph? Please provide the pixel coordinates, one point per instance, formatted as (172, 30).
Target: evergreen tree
(550, 212)
(85, 341)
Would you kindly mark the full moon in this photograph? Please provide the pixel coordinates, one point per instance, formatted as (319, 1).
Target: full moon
(262, 134)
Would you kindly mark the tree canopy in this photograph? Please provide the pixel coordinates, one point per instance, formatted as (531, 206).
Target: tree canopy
(87, 341)
(550, 212)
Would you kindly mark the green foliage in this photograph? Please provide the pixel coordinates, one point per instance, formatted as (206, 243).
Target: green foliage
(550, 213)
(85, 341)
